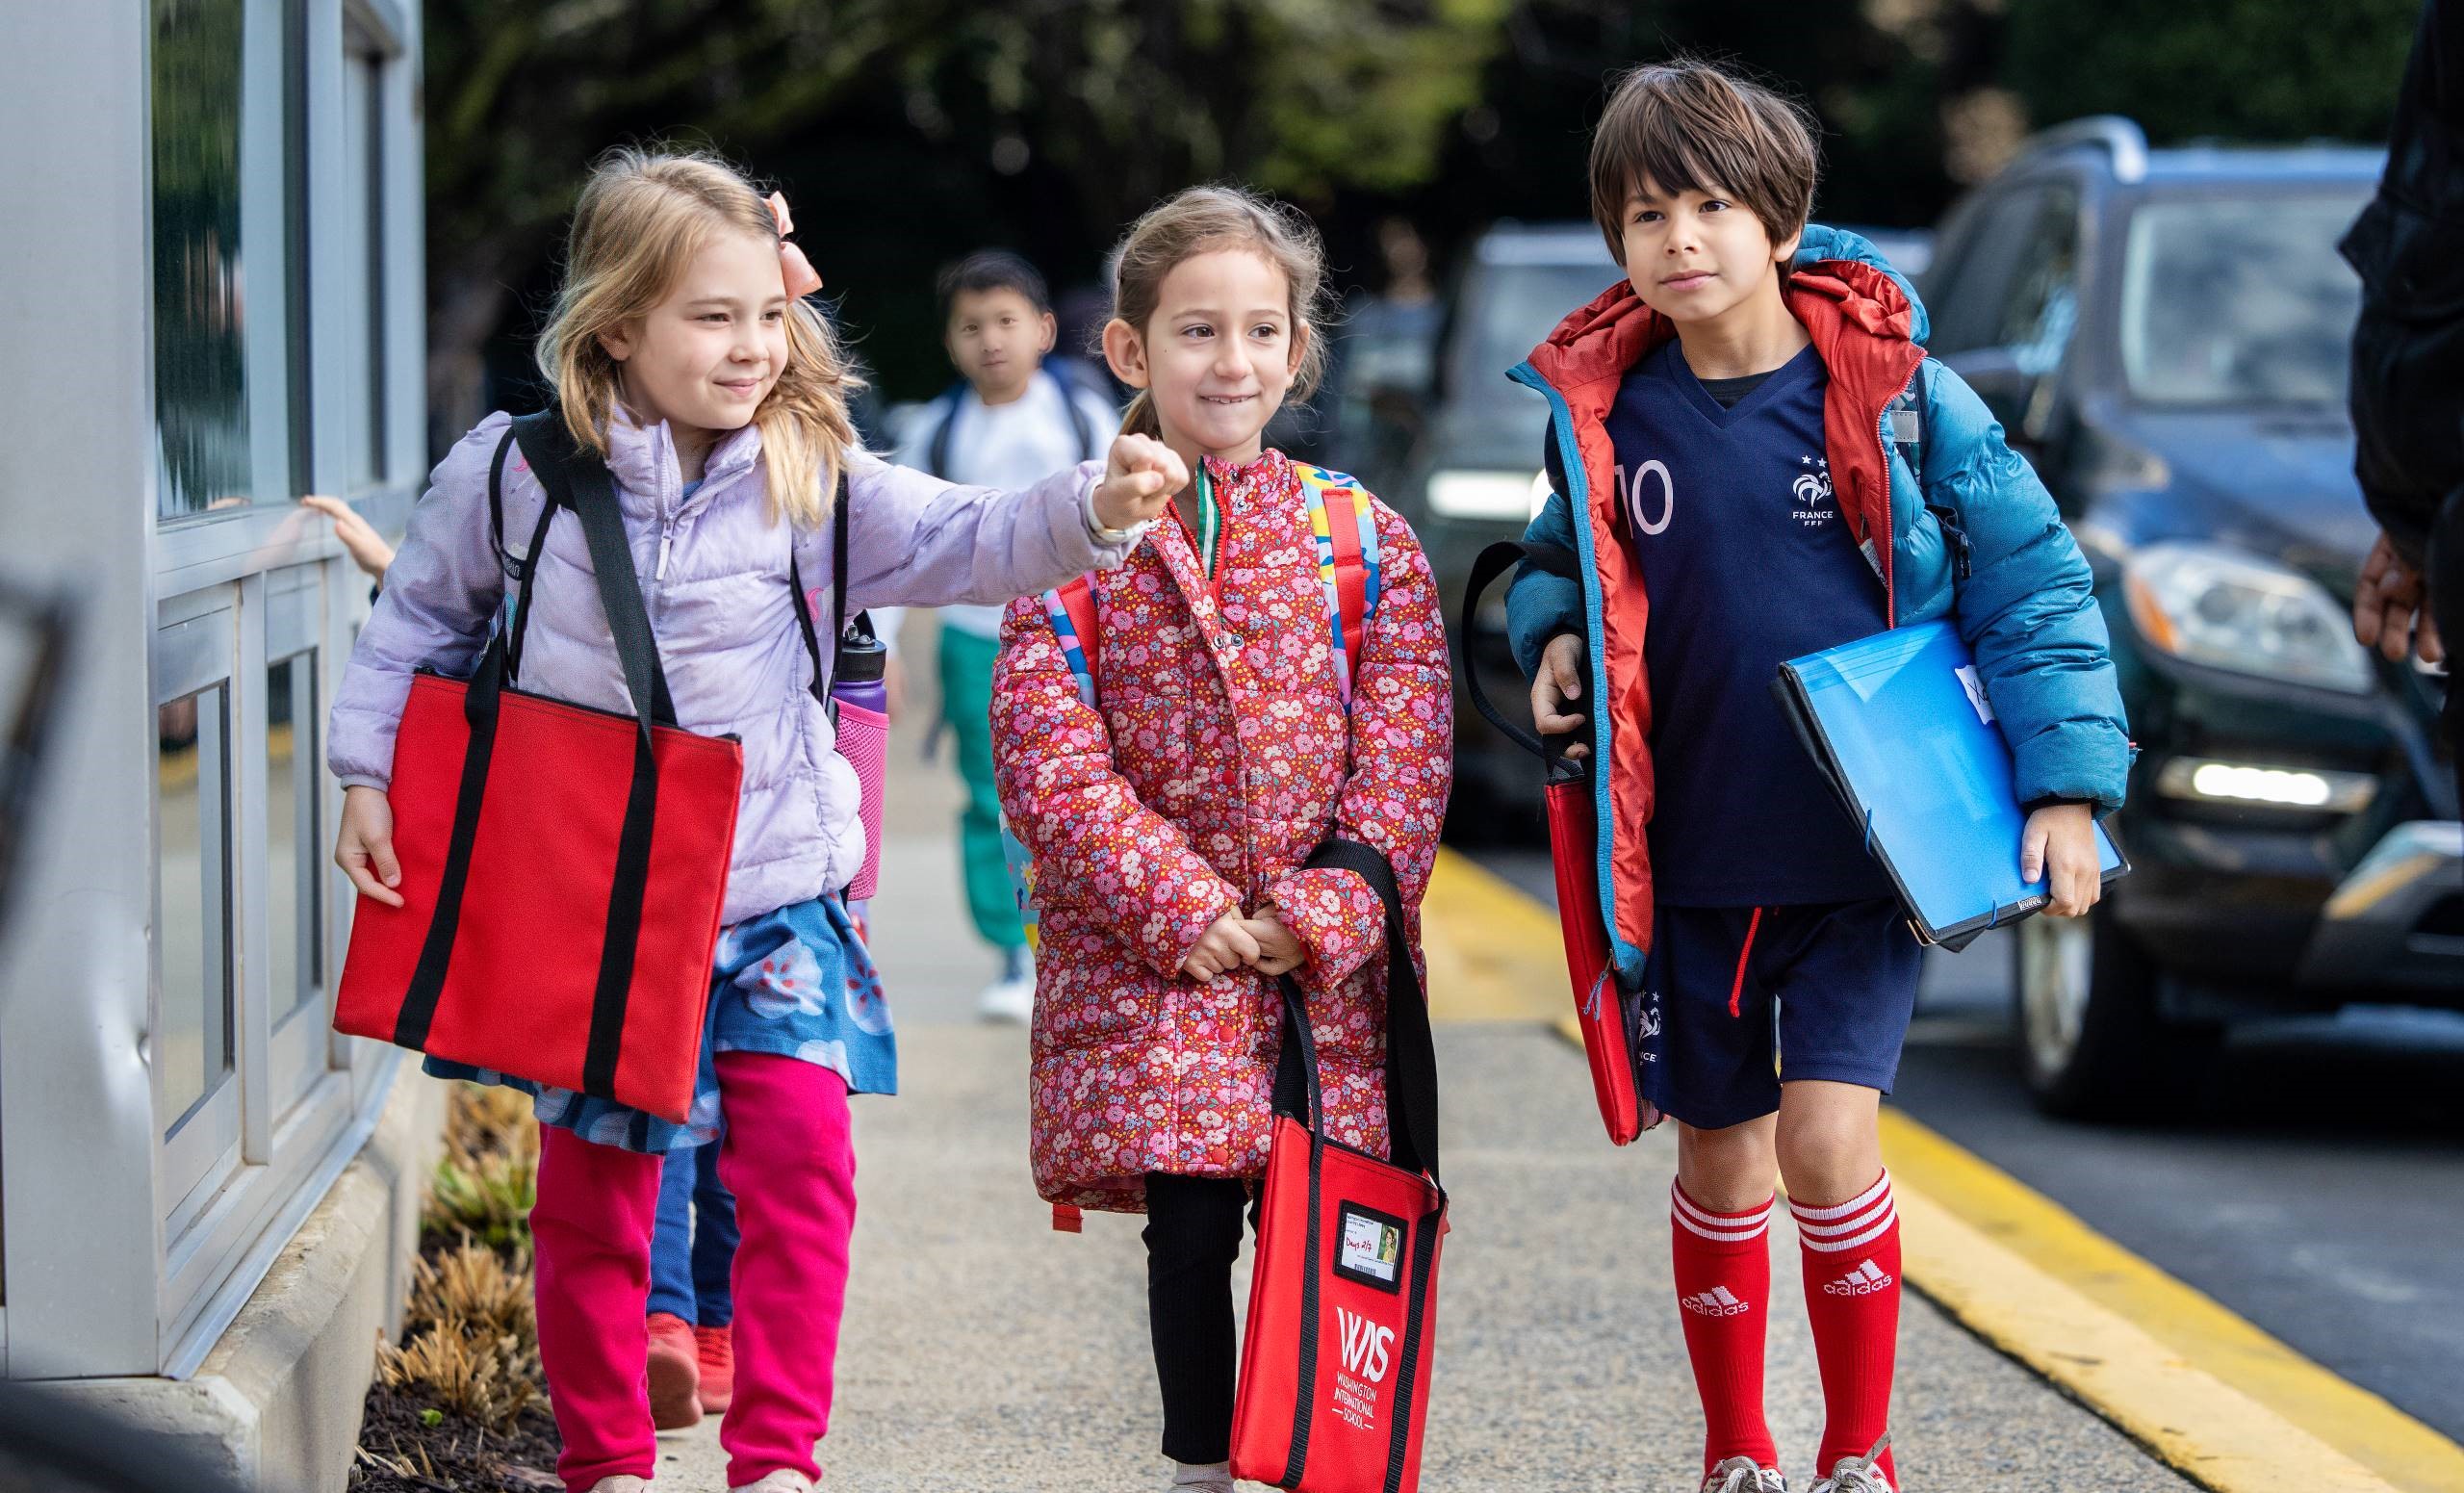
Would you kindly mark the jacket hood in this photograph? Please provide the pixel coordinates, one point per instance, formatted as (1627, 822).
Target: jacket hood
(1836, 276)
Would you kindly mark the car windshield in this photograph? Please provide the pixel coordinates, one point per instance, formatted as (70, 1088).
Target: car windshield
(1517, 306)
(2240, 300)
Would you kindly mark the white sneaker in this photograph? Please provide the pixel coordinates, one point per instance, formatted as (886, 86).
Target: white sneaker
(1743, 1475)
(786, 1479)
(1009, 1001)
(1859, 1474)
(621, 1482)
(1205, 1476)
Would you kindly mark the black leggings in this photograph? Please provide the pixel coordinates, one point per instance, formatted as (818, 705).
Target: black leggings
(1193, 1236)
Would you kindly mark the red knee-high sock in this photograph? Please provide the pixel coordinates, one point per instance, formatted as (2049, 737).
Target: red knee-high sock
(1723, 1266)
(1852, 1292)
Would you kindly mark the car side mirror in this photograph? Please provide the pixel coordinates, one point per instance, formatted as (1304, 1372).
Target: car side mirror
(2019, 397)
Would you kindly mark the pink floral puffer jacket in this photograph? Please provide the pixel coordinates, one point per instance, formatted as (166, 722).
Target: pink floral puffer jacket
(1217, 757)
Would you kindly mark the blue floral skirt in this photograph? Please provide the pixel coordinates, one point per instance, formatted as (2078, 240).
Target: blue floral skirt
(794, 983)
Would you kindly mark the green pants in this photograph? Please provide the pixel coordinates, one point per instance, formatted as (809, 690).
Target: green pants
(966, 704)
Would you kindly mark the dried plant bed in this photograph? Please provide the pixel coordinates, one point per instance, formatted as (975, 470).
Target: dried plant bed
(459, 1406)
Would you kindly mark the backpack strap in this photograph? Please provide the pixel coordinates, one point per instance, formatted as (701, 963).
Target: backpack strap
(1070, 608)
(937, 453)
(1905, 418)
(1346, 529)
(1081, 427)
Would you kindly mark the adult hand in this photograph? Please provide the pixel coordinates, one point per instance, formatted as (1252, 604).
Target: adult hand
(1226, 945)
(1559, 682)
(368, 548)
(365, 847)
(2060, 844)
(2390, 609)
(1279, 948)
(1140, 477)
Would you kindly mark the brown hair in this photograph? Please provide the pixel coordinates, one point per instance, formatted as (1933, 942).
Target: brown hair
(642, 217)
(1694, 126)
(1202, 221)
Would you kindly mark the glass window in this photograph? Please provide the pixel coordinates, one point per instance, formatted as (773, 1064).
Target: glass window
(293, 876)
(2240, 300)
(1972, 285)
(230, 230)
(2040, 307)
(364, 155)
(193, 1019)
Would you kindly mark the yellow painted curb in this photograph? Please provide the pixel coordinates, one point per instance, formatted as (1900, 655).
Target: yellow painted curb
(1493, 952)
(2214, 1396)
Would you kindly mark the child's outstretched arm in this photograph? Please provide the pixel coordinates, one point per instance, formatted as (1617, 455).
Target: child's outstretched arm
(1052, 759)
(1403, 763)
(918, 541)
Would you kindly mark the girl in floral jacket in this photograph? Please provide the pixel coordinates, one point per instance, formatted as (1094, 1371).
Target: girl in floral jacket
(1170, 820)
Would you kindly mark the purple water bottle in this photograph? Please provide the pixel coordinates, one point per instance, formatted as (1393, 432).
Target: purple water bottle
(859, 703)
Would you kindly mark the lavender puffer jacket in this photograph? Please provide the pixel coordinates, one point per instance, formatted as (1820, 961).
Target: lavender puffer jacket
(713, 570)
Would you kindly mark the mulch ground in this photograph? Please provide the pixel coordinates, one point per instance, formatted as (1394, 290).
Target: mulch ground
(453, 1456)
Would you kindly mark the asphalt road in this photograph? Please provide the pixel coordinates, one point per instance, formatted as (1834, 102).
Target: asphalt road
(2317, 1191)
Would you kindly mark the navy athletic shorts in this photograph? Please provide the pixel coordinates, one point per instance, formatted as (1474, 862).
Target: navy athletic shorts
(1750, 999)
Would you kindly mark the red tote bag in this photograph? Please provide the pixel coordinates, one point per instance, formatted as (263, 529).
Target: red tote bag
(562, 867)
(1620, 1026)
(1342, 1302)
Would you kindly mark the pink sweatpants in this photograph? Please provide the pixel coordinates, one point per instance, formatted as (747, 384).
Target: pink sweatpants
(791, 1164)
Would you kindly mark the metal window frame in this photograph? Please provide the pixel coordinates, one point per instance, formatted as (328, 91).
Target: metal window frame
(120, 1255)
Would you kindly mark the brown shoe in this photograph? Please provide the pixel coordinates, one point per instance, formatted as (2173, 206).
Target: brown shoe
(675, 1375)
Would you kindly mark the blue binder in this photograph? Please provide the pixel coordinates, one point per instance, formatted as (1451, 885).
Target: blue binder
(1900, 725)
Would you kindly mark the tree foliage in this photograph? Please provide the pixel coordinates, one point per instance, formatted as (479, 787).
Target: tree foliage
(2259, 70)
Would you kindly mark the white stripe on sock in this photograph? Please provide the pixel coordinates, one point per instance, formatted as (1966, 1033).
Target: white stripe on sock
(1854, 1224)
(1889, 1221)
(1855, 1204)
(1712, 1225)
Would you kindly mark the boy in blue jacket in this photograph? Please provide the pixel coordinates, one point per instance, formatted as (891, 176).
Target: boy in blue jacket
(1729, 442)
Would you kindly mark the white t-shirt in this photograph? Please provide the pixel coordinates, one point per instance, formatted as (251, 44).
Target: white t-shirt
(1009, 447)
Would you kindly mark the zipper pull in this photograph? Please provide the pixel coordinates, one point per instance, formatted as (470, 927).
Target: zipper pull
(666, 537)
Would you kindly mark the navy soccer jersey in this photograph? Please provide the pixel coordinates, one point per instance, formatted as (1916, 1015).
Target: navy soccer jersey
(1748, 560)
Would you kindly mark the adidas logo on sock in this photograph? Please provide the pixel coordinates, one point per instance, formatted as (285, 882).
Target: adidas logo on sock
(1715, 1302)
(1865, 1280)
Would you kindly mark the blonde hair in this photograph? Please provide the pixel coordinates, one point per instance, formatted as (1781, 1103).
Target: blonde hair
(1202, 221)
(642, 217)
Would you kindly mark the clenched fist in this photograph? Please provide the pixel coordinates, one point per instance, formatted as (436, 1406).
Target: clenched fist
(1140, 477)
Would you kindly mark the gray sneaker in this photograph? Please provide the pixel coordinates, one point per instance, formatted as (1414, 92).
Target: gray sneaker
(1742, 1475)
(1859, 1474)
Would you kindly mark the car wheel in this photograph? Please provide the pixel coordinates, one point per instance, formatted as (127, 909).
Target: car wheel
(2091, 1039)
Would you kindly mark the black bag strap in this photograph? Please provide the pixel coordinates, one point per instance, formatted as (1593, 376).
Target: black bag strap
(1411, 1049)
(574, 479)
(821, 674)
(1493, 562)
(1411, 1109)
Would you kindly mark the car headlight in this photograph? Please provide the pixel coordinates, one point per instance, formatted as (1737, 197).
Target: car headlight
(2229, 610)
(1487, 494)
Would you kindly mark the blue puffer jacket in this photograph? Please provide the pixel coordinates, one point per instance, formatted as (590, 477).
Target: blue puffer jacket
(2020, 594)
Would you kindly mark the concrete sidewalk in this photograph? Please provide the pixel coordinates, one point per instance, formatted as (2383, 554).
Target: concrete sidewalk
(982, 1352)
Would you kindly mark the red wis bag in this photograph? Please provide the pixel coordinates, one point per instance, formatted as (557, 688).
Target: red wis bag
(1342, 1304)
(562, 868)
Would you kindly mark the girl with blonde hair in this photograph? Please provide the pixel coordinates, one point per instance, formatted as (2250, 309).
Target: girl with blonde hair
(684, 356)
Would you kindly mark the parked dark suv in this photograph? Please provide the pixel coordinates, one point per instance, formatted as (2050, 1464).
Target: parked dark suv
(2165, 333)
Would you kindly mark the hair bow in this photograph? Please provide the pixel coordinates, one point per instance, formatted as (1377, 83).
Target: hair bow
(803, 279)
